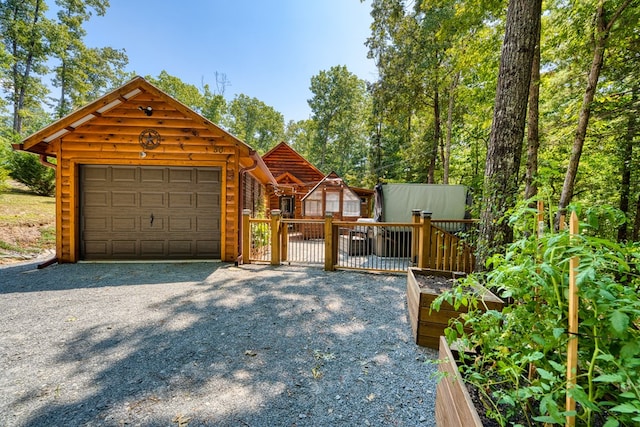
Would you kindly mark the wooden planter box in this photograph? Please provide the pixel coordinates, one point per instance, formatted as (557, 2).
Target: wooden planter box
(428, 327)
(454, 407)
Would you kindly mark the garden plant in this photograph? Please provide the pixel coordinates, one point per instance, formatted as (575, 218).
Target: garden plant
(519, 361)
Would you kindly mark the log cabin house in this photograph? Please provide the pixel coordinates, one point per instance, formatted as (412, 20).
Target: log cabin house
(303, 191)
(140, 176)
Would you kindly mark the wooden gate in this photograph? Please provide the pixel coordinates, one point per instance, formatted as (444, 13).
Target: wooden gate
(372, 246)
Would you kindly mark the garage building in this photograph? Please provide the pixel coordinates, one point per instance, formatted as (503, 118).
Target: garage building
(140, 176)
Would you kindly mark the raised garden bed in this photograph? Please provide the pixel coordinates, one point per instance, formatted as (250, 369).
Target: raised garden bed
(454, 406)
(423, 287)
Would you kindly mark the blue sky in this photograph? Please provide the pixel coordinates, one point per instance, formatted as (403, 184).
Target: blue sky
(267, 49)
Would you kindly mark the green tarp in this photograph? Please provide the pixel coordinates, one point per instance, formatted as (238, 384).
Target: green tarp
(398, 200)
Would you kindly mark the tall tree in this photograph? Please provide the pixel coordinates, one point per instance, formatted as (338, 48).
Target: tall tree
(256, 123)
(82, 73)
(339, 107)
(25, 34)
(603, 23)
(507, 130)
(533, 135)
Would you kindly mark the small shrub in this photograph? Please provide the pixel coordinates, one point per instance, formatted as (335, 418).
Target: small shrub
(27, 169)
(4, 175)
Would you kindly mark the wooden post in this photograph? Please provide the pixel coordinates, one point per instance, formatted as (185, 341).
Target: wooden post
(572, 350)
(424, 251)
(284, 240)
(539, 230)
(415, 236)
(246, 237)
(275, 237)
(328, 242)
(540, 219)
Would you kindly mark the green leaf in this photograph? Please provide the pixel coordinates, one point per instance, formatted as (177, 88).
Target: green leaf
(619, 321)
(546, 419)
(611, 422)
(630, 349)
(536, 355)
(625, 408)
(557, 366)
(606, 357)
(545, 374)
(582, 398)
(609, 378)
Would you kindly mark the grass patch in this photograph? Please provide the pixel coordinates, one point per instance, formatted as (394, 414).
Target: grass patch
(27, 223)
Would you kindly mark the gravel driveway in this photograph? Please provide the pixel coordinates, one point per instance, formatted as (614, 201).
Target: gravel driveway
(199, 344)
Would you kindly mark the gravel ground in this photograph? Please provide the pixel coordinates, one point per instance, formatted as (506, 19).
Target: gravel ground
(199, 344)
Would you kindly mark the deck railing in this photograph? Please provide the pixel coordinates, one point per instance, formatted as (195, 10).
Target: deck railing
(373, 246)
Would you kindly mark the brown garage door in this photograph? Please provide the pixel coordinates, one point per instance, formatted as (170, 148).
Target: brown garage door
(149, 212)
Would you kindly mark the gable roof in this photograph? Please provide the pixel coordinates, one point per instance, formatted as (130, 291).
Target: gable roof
(122, 106)
(287, 178)
(333, 180)
(283, 159)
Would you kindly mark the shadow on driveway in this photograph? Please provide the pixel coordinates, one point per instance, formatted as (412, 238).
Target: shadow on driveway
(208, 344)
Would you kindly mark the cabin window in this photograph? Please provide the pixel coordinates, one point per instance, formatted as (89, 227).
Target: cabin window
(313, 204)
(350, 204)
(332, 202)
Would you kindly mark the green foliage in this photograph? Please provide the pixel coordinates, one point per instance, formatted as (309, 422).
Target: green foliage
(339, 108)
(82, 73)
(254, 122)
(520, 360)
(27, 169)
(5, 152)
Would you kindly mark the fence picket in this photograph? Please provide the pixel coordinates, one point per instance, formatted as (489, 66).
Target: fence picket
(359, 245)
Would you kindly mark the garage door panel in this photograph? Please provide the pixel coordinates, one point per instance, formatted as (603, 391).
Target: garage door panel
(181, 200)
(124, 199)
(207, 200)
(180, 247)
(124, 174)
(96, 223)
(124, 224)
(152, 200)
(97, 248)
(180, 224)
(155, 226)
(180, 175)
(208, 246)
(153, 247)
(152, 175)
(208, 176)
(96, 175)
(150, 212)
(203, 226)
(126, 248)
(96, 198)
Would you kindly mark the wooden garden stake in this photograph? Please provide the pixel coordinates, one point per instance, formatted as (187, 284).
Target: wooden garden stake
(539, 230)
(572, 350)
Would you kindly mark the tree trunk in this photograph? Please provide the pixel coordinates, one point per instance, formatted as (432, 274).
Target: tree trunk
(533, 137)
(446, 152)
(626, 163)
(507, 130)
(21, 88)
(602, 31)
(62, 104)
(636, 224)
(436, 136)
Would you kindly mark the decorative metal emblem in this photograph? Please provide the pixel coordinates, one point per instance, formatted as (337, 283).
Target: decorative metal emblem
(149, 139)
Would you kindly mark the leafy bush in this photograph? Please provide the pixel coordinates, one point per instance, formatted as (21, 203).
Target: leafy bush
(519, 366)
(4, 174)
(5, 152)
(27, 169)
